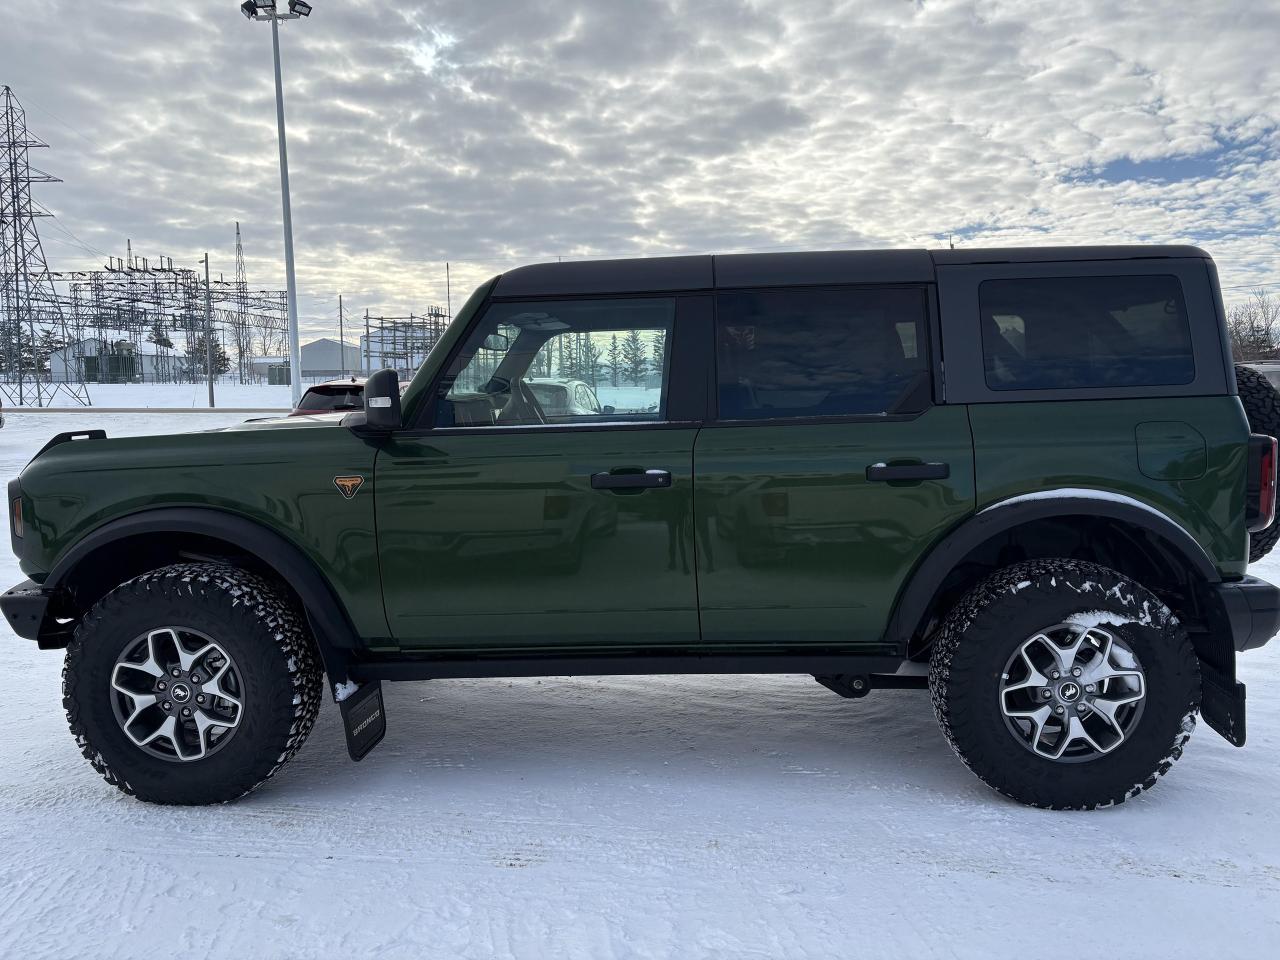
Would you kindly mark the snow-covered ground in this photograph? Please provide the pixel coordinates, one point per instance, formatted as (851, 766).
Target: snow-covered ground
(726, 817)
(263, 396)
(182, 395)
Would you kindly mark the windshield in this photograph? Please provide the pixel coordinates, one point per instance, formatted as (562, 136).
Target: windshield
(319, 399)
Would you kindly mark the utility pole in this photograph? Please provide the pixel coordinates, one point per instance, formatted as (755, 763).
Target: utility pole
(367, 367)
(342, 344)
(448, 290)
(208, 328)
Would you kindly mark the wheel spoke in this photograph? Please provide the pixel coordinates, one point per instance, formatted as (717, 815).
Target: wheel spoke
(141, 701)
(213, 687)
(1034, 677)
(154, 664)
(1075, 731)
(1067, 655)
(166, 729)
(1106, 708)
(187, 660)
(1038, 718)
(118, 682)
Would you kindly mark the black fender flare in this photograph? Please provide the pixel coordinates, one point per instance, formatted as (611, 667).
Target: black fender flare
(334, 634)
(916, 597)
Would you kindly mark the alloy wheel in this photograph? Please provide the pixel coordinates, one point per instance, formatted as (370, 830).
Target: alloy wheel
(1072, 692)
(176, 694)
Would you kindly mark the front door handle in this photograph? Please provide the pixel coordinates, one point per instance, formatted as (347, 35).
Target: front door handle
(630, 481)
(908, 471)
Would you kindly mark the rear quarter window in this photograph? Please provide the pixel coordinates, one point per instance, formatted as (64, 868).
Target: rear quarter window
(1080, 332)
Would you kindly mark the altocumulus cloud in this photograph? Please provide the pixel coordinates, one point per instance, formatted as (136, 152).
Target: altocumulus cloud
(492, 133)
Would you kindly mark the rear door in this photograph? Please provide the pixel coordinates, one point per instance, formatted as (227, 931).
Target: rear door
(506, 525)
(827, 472)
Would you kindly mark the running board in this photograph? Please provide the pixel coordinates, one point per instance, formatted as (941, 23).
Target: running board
(609, 665)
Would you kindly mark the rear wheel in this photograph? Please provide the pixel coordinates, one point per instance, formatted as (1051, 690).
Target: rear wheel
(1261, 402)
(191, 684)
(1064, 684)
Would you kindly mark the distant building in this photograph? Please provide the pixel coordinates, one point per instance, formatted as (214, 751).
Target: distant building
(103, 360)
(328, 358)
(258, 366)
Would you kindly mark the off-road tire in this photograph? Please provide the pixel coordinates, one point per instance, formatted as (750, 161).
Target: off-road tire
(1261, 403)
(980, 635)
(264, 635)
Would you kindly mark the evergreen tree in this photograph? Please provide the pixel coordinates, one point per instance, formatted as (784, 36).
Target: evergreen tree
(615, 364)
(196, 357)
(47, 343)
(634, 361)
(159, 337)
(658, 344)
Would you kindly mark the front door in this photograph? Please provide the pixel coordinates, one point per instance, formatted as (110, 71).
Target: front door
(828, 473)
(518, 519)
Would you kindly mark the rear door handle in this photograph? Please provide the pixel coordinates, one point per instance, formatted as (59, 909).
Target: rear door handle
(909, 471)
(630, 481)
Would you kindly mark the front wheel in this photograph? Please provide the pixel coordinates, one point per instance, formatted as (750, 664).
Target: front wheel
(1064, 684)
(191, 684)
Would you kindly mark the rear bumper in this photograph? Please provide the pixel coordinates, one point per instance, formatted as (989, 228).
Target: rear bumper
(24, 607)
(1253, 609)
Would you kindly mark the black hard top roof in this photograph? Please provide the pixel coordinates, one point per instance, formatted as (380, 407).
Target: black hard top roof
(706, 272)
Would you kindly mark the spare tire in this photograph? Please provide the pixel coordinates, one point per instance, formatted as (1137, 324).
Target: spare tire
(1262, 406)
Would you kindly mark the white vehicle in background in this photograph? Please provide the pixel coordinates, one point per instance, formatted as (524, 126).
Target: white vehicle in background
(560, 397)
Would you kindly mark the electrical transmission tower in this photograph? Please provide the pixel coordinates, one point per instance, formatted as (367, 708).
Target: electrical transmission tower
(240, 322)
(32, 322)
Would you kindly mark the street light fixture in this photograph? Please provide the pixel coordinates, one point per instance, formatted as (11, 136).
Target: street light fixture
(266, 10)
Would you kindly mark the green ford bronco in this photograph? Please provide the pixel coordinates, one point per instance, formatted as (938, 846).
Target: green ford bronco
(1028, 480)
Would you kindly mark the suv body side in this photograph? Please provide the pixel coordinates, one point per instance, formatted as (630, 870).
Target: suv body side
(790, 545)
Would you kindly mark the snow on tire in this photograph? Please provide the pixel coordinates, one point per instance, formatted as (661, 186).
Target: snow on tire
(1064, 684)
(191, 684)
(1261, 403)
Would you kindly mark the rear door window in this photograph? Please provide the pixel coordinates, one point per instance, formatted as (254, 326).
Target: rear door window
(819, 353)
(1078, 332)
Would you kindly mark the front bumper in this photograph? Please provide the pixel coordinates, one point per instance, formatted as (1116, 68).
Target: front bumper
(25, 606)
(1253, 610)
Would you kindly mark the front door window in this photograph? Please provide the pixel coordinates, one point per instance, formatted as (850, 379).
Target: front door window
(558, 362)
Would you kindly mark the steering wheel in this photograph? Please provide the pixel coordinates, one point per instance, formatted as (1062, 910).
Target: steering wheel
(523, 406)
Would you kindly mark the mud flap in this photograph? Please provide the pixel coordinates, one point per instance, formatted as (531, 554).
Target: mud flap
(1222, 704)
(362, 716)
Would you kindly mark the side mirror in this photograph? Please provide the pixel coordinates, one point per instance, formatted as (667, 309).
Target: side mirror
(382, 401)
(497, 342)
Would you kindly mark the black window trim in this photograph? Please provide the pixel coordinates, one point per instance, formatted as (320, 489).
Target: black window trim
(424, 423)
(932, 356)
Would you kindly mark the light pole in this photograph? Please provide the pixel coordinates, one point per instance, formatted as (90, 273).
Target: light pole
(266, 10)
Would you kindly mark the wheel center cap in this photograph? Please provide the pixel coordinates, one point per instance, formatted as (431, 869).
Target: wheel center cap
(1069, 691)
(180, 692)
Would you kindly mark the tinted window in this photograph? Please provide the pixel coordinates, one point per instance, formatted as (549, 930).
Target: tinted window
(818, 353)
(333, 398)
(1070, 332)
(536, 362)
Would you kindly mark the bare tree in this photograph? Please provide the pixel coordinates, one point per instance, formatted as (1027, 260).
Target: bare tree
(1254, 327)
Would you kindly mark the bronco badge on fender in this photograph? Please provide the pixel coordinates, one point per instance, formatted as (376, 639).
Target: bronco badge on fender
(348, 486)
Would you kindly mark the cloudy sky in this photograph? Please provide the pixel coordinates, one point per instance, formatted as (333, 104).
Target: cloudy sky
(490, 134)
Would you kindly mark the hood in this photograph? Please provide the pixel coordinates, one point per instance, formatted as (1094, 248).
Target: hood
(286, 422)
